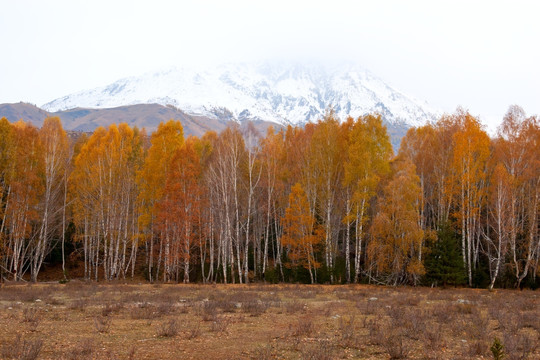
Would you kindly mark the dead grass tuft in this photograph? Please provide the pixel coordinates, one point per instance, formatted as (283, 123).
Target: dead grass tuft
(22, 349)
(304, 326)
(168, 328)
(84, 349)
(102, 324)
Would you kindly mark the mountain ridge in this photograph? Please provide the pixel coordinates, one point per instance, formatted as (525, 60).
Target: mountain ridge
(147, 116)
(284, 94)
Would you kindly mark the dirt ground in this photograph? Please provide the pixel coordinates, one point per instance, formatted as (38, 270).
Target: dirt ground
(82, 320)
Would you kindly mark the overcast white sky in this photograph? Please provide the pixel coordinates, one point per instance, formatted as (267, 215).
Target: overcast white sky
(482, 55)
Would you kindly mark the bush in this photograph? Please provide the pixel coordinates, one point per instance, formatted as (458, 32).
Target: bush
(194, 331)
(220, 324)
(255, 308)
(145, 311)
(395, 346)
(22, 349)
(209, 310)
(321, 350)
(265, 352)
(168, 329)
(303, 327)
(102, 324)
(294, 307)
(84, 349)
(79, 304)
(347, 331)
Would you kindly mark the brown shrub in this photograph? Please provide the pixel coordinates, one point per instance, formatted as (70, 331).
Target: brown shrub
(102, 324)
(84, 349)
(193, 331)
(144, 311)
(22, 349)
(111, 308)
(32, 317)
(209, 310)
(294, 307)
(304, 326)
(265, 352)
(395, 344)
(220, 324)
(347, 331)
(518, 345)
(255, 308)
(79, 304)
(375, 331)
(321, 350)
(168, 329)
(433, 338)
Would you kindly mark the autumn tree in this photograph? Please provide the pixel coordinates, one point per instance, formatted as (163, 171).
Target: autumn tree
(106, 205)
(368, 159)
(346, 194)
(419, 146)
(223, 178)
(532, 196)
(23, 194)
(6, 161)
(327, 146)
(272, 153)
(252, 176)
(396, 230)
(521, 140)
(205, 221)
(179, 210)
(471, 152)
(54, 153)
(300, 233)
(168, 138)
(499, 220)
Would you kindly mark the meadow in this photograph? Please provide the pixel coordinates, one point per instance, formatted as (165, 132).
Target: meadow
(82, 320)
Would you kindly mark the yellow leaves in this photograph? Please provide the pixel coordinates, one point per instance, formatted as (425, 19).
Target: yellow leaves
(368, 155)
(471, 152)
(21, 177)
(416, 268)
(369, 152)
(300, 234)
(105, 169)
(55, 150)
(179, 208)
(168, 138)
(7, 150)
(397, 235)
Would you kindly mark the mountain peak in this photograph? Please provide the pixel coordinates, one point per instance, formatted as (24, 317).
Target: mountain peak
(284, 93)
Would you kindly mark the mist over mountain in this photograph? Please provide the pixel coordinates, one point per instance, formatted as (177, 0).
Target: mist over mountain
(281, 93)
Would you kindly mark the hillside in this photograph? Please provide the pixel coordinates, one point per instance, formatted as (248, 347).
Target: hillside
(146, 116)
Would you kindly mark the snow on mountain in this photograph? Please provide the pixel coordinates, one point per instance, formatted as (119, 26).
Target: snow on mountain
(280, 93)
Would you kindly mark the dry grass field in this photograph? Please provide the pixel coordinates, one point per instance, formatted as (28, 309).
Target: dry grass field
(127, 321)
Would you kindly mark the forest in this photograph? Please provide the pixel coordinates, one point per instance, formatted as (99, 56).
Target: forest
(328, 202)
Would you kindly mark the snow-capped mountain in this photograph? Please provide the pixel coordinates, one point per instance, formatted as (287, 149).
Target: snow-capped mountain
(280, 93)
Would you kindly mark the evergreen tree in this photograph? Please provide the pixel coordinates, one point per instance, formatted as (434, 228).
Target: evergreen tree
(444, 263)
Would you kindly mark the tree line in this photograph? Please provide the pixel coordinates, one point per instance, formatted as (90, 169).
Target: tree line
(328, 202)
